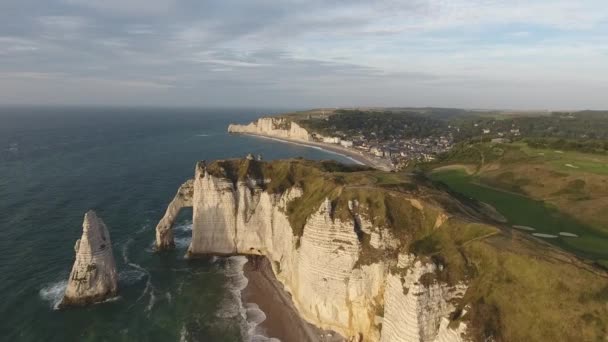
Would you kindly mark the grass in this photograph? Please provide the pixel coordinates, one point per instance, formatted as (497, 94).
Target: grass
(518, 290)
(517, 296)
(579, 162)
(522, 210)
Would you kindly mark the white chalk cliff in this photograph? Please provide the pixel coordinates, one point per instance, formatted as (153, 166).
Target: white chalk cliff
(273, 127)
(331, 286)
(93, 277)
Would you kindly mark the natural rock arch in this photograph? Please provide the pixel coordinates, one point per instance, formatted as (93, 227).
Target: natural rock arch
(164, 229)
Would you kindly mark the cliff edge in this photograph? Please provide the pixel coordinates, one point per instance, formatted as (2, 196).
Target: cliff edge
(380, 256)
(93, 277)
(273, 127)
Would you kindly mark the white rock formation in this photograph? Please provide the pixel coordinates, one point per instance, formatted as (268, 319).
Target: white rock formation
(273, 127)
(93, 277)
(183, 198)
(322, 269)
(414, 311)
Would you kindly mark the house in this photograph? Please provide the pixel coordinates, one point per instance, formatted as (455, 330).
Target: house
(377, 152)
(331, 140)
(346, 143)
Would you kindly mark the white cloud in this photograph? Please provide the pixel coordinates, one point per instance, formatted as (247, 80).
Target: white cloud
(64, 23)
(127, 7)
(357, 50)
(15, 45)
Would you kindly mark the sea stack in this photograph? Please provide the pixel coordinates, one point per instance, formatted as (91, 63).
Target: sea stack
(93, 277)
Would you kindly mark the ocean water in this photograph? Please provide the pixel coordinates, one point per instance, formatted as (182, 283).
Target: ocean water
(125, 163)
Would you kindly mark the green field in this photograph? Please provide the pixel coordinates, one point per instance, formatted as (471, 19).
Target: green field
(524, 211)
(569, 161)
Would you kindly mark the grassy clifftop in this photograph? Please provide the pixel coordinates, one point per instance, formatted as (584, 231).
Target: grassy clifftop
(552, 191)
(520, 289)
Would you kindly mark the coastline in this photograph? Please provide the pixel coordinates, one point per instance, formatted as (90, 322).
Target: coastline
(355, 156)
(281, 319)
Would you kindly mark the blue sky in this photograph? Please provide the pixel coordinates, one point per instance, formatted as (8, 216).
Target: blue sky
(535, 54)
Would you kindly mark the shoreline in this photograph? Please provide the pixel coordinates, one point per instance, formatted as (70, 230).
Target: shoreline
(355, 156)
(281, 320)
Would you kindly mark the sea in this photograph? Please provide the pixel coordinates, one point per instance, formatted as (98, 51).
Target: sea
(126, 164)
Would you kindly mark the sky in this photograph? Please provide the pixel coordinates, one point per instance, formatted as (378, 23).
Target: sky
(533, 54)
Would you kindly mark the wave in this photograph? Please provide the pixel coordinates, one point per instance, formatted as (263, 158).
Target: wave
(203, 135)
(183, 234)
(130, 277)
(149, 289)
(231, 306)
(255, 317)
(53, 293)
(249, 316)
(143, 229)
(182, 242)
(183, 227)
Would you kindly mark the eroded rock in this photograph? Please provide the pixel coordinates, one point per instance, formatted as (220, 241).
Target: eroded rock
(93, 277)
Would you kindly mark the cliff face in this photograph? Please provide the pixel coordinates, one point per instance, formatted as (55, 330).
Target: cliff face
(273, 127)
(93, 277)
(371, 302)
(380, 256)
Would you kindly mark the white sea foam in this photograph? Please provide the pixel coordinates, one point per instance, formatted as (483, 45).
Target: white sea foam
(249, 315)
(130, 277)
(53, 293)
(183, 334)
(183, 227)
(566, 234)
(149, 289)
(232, 306)
(143, 229)
(183, 232)
(255, 317)
(111, 299)
(151, 301)
(182, 242)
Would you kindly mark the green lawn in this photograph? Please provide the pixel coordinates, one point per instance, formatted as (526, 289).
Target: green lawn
(569, 160)
(524, 211)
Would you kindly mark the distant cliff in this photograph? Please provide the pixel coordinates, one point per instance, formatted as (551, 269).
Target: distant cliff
(273, 127)
(387, 257)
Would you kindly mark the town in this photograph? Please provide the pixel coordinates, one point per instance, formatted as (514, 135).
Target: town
(398, 151)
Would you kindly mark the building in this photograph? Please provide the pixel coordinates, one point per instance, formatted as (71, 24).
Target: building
(331, 140)
(377, 152)
(346, 143)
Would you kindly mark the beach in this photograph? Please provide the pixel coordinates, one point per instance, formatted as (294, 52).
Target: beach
(351, 154)
(282, 319)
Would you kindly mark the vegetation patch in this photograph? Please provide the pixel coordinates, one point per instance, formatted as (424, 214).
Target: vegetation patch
(507, 301)
(525, 211)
